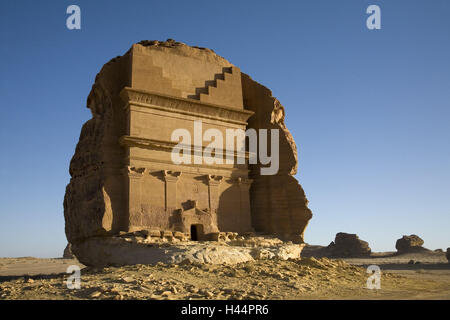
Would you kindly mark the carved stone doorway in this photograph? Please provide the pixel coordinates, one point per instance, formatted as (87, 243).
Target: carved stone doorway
(196, 231)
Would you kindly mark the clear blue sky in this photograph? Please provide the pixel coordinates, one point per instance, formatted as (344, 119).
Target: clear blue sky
(369, 110)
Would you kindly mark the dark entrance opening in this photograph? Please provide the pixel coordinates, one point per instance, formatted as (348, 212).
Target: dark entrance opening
(196, 231)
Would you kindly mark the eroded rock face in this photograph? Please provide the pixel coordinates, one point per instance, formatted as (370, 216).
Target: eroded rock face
(348, 245)
(411, 243)
(124, 180)
(95, 199)
(118, 251)
(68, 252)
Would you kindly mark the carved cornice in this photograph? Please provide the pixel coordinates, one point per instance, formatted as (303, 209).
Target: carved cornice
(153, 100)
(173, 176)
(130, 141)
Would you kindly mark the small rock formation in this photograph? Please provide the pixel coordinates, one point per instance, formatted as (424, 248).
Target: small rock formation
(68, 252)
(448, 254)
(123, 178)
(348, 245)
(409, 244)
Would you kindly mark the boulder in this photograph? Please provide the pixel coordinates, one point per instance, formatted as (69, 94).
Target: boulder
(348, 245)
(68, 252)
(408, 244)
(104, 251)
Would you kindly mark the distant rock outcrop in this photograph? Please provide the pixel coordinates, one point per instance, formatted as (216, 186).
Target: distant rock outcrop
(348, 245)
(411, 243)
(68, 252)
(448, 254)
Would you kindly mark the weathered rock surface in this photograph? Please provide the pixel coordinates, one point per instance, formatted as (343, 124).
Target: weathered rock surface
(348, 245)
(278, 202)
(118, 251)
(68, 252)
(411, 243)
(292, 279)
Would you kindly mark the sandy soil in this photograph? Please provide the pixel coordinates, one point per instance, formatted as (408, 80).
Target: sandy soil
(309, 278)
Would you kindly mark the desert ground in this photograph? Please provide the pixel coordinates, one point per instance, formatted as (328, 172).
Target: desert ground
(427, 277)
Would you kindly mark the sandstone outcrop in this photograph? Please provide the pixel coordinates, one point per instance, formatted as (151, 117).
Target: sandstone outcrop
(137, 249)
(123, 178)
(68, 252)
(408, 244)
(278, 202)
(348, 245)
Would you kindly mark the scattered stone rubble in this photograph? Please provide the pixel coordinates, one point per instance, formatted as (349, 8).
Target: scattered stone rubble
(253, 280)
